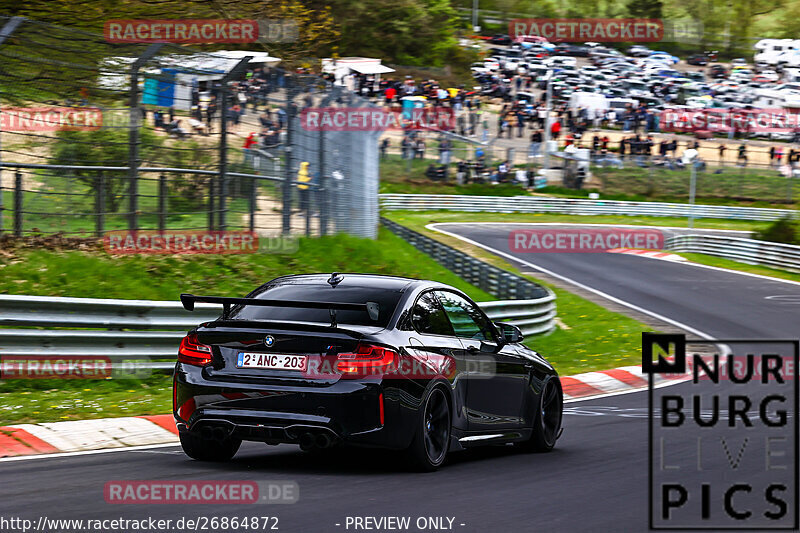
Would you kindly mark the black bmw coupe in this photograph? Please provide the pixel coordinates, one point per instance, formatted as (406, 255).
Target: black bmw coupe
(322, 360)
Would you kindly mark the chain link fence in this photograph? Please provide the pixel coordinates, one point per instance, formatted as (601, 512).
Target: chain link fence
(96, 137)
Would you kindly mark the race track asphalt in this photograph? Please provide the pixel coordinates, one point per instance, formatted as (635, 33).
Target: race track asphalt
(596, 479)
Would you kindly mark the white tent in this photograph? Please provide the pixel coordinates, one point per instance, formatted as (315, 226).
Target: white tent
(344, 66)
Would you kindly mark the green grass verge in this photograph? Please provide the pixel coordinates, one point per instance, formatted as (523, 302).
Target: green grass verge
(417, 219)
(731, 183)
(563, 192)
(82, 274)
(596, 339)
(153, 277)
(49, 400)
(730, 264)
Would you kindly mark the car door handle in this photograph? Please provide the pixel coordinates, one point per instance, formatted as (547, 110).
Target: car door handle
(473, 349)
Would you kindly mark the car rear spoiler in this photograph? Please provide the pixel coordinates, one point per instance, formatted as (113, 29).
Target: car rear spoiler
(371, 308)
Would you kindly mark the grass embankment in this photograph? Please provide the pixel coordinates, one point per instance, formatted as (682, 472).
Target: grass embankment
(734, 186)
(418, 219)
(596, 339)
(95, 274)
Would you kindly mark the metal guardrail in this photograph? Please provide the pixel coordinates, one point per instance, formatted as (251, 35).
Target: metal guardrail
(571, 206)
(532, 317)
(771, 254)
(45, 311)
(522, 302)
(159, 348)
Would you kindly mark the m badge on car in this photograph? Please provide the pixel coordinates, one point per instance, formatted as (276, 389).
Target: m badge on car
(269, 340)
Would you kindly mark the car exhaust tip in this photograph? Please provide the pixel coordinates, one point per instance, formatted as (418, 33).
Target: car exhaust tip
(307, 441)
(323, 440)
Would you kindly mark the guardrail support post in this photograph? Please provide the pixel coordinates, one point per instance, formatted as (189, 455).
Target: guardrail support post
(18, 204)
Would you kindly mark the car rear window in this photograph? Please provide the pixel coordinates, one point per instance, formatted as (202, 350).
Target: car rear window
(387, 300)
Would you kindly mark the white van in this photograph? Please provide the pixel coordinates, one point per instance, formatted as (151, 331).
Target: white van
(594, 101)
(769, 51)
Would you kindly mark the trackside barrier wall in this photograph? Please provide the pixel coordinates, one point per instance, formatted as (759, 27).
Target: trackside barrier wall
(771, 254)
(571, 206)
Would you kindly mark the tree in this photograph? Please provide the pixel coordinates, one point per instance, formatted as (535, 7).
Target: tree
(101, 147)
(645, 9)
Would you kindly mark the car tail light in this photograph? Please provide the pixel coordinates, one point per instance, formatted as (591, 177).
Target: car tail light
(192, 352)
(380, 407)
(367, 359)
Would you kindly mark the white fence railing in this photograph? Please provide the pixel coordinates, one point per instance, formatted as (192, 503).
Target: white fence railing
(771, 254)
(573, 206)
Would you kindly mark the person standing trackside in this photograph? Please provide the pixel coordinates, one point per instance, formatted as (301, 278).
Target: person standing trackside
(303, 178)
(536, 143)
(741, 159)
(445, 148)
(721, 154)
(384, 147)
(555, 129)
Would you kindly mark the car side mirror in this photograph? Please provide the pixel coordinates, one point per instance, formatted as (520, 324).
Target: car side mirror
(509, 332)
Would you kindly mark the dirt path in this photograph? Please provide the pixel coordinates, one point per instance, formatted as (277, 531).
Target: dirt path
(269, 218)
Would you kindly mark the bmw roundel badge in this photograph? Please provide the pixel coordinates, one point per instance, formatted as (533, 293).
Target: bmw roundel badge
(269, 340)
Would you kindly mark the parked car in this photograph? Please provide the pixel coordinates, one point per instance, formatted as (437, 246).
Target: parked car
(572, 50)
(500, 38)
(718, 71)
(638, 50)
(697, 59)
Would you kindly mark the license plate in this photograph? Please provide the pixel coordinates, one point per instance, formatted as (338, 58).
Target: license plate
(272, 361)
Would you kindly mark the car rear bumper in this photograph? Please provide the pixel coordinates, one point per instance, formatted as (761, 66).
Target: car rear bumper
(350, 411)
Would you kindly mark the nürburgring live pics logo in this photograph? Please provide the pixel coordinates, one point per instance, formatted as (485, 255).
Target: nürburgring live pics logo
(723, 444)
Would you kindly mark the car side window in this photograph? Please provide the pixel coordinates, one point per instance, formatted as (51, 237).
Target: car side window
(467, 320)
(428, 316)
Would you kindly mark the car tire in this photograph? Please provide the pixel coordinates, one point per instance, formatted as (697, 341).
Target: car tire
(546, 420)
(201, 449)
(431, 441)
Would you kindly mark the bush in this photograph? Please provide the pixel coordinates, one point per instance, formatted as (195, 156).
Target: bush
(786, 231)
